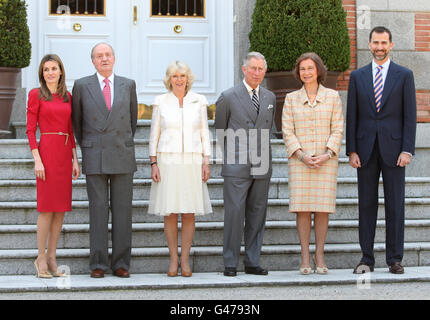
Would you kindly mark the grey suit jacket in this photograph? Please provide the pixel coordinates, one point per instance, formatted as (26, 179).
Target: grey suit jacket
(105, 138)
(246, 147)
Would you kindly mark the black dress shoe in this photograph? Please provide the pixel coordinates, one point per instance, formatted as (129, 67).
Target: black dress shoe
(230, 272)
(363, 268)
(256, 270)
(397, 268)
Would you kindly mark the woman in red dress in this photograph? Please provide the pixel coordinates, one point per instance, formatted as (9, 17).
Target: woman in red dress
(55, 159)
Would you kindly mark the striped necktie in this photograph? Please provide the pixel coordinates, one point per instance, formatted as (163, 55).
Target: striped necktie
(255, 101)
(378, 88)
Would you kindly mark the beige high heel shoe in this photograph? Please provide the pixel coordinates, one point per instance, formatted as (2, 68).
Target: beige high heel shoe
(320, 270)
(45, 275)
(306, 271)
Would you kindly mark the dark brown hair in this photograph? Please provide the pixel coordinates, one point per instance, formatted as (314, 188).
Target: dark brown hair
(321, 68)
(44, 92)
(380, 29)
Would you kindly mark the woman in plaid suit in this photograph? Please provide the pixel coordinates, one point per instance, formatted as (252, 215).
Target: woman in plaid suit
(312, 127)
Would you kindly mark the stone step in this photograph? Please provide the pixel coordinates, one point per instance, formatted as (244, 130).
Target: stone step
(25, 190)
(146, 235)
(19, 149)
(142, 130)
(16, 161)
(23, 169)
(209, 259)
(24, 212)
(4, 134)
(148, 283)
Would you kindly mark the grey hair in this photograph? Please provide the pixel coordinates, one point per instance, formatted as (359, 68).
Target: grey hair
(255, 55)
(100, 43)
(182, 68)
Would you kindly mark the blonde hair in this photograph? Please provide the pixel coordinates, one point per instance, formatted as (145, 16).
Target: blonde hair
(182, 68)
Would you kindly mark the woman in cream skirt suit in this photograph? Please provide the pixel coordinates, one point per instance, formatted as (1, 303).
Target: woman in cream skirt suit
(312, 127)
(179, 150)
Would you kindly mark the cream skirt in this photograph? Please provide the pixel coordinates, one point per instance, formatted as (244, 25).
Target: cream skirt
(181, 189)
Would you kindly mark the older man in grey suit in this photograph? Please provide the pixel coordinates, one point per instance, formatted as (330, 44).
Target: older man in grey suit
(243, 122)
(104, 115)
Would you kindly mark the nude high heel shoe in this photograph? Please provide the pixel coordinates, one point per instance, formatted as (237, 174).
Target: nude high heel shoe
(320, 270)
(45, 275)
(306, 271)
(186, 273)
(174, 273)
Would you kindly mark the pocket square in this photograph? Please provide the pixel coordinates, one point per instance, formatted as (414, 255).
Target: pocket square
(270, 107)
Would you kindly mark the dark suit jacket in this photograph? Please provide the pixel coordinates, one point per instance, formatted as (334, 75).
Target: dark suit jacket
(105, 138)
(394, 125)
(234, 110)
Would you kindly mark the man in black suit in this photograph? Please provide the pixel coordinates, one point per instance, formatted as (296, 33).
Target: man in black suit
(380, 136)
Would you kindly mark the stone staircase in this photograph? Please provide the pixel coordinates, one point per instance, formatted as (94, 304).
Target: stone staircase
(281, 250)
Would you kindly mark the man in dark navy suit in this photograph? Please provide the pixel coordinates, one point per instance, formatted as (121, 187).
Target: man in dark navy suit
(380, 136)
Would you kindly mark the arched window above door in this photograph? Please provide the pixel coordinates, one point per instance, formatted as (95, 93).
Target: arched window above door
(77, 7)
(175, 8)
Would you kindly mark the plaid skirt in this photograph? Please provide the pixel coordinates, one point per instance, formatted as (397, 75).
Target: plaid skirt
(312, 190)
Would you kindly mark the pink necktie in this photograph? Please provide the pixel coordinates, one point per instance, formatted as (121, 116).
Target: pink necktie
(107, 93)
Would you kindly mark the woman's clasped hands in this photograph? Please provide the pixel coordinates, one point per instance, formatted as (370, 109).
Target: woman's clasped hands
(312, 161)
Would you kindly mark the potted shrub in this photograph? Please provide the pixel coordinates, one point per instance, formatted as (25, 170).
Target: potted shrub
(15, 53)
(282, 30)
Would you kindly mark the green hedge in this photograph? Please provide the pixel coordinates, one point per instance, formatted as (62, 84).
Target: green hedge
(15, 46)
(282, 30)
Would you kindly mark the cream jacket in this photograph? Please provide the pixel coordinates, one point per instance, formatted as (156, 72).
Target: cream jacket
(175, 129)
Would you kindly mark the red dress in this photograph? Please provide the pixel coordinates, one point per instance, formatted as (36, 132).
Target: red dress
(55, 193)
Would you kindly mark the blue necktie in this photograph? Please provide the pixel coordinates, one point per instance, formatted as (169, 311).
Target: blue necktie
(378, 88)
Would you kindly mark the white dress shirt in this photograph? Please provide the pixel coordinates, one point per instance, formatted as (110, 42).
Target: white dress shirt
(248, 87)
(384, 70)
(111, 85)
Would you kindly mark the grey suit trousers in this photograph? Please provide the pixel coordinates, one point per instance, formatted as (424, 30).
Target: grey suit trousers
(119, 188)
(245, 201)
